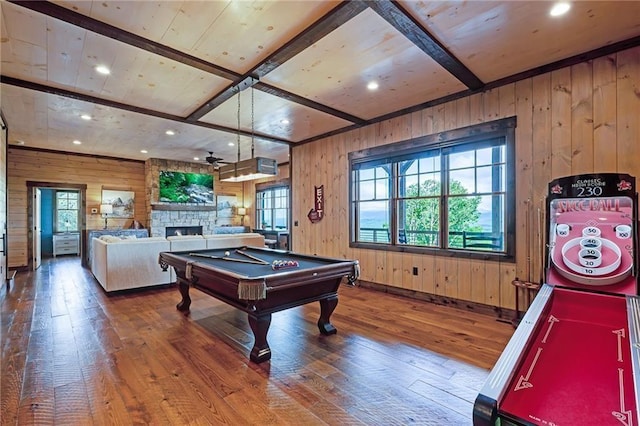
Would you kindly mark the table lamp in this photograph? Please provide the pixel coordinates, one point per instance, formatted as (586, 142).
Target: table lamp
(105, 211)
(242, 211)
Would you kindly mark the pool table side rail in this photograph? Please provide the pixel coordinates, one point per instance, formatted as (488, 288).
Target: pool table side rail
(485, 409)
(350, 268)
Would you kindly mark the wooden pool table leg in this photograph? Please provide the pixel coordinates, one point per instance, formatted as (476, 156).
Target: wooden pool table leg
(185, 303)
(327, 306)
(260, 326)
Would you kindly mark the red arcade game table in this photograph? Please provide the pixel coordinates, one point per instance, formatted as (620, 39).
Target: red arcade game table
(575, 357)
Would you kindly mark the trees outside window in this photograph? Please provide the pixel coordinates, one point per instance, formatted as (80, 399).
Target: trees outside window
(67, 209)
(447, 194)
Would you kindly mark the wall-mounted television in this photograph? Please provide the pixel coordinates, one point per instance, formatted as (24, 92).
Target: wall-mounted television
(180, 187)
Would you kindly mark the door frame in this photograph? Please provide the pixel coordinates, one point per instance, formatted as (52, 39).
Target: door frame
(4, 213)
(82, 220)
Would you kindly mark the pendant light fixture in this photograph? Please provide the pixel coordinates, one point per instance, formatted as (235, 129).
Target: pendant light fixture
(254, 167)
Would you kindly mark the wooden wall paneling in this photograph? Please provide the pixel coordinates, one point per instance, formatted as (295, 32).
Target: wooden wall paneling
(300, 185)
(581, 119)
(450, 278)
(561, 123)
(491, 105)
(507, 97)
(492, 283)
(428, 274)
(321, 230)
(343, 208)
(465, 280)
(450, 115)
(331, 196)
(427, 121)
(476, 108)
(409, 261)
(395, 270)
(63, 168)
(507, 290)
(478, 280)
(542, 173)
(315, 236)
(524, 180)
(381, 265)
(416, 124)
(628, 112)
(553, 120)
(604, 114)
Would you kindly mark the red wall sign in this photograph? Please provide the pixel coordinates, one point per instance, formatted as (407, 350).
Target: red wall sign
(316, 214)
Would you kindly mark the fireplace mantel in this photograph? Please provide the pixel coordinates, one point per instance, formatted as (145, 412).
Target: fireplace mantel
(184, 207)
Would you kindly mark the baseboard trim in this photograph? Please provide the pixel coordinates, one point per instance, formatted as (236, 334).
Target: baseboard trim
(501, 314)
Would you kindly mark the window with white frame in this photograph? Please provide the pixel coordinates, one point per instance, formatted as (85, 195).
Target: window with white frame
(272, 207)
(67, 209)
(447, 193)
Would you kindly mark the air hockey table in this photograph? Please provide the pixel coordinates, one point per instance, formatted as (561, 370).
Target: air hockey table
(575, 357)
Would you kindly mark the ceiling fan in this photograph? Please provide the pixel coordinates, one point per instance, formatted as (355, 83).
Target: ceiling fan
(215, 161)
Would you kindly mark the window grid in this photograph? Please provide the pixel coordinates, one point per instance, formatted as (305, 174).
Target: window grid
(67, 209)
(449, 198)
(272, 208)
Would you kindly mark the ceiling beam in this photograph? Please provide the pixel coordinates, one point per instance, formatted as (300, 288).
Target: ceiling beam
(311, 35)
(402, 20)
(113, 104)
(332, 20)
(104, 29)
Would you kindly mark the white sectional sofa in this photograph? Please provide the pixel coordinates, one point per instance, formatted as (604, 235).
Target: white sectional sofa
(133, 263)
(121, 264)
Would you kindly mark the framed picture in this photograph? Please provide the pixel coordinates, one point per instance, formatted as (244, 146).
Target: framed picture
(123, 202)
(226, 205)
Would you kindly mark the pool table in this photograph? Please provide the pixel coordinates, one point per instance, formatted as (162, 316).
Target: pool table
(244, 277)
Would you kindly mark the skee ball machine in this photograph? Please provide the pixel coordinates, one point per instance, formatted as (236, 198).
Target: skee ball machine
(574, 358)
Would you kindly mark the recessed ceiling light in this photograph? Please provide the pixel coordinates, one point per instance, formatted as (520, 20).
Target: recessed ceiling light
(103, 70)
(196, 158)
(170, 132)
(559, 9)
(76, 142)
(85, 117)
(231, 144)
(144, 151)
(372, 85)
(285, 121)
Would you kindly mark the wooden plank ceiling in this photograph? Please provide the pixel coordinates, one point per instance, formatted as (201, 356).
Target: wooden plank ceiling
(288, 72)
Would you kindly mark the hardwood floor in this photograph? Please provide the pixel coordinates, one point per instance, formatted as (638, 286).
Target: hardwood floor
(71, 355)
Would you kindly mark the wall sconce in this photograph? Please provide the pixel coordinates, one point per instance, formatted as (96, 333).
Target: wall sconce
(105, 211)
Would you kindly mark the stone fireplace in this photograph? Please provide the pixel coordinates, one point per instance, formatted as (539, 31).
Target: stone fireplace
(175, 215)
(165, 221)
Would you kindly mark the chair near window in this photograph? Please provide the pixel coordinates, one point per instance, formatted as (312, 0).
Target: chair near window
(482, 240)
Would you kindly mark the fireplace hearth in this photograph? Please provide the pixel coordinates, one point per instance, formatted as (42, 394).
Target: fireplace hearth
(171, 231)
